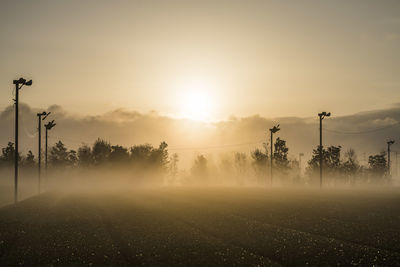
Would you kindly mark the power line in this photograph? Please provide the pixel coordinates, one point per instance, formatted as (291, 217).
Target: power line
(361, 132)
(215, 147)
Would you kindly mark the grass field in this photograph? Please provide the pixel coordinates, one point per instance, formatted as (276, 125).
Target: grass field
(204, 226)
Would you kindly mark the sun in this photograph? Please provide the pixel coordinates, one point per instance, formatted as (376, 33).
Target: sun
(197, 102)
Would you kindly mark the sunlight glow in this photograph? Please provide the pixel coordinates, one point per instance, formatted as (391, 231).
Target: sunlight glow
(197, 101)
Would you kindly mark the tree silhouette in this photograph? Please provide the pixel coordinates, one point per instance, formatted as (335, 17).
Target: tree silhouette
(119, 155)
(281, 156)
(350, 166)
(7, 157)
(260, 161)
(85, 157)
(29, 160)
(331, 162)
(199, 168)
(140, 154)
(159, 157)
(378, 166)
(173, 168)
(101, 151)
(58, 155)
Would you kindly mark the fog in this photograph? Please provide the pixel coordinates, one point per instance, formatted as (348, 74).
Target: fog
(198, 153)
(190, 138)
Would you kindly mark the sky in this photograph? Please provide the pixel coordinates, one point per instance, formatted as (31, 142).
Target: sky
(202, 60)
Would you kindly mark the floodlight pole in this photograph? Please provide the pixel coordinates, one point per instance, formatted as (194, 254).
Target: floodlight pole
(48, 126)
(320, 152)
(321, 115)
(272, 130)
(39, 147)
(45, 157)
(18, 85)
(271, 156)
(389, 143)
(16, 143)
(40, 144)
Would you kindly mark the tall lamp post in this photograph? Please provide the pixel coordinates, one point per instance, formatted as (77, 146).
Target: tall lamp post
(48, 126)
(44, 114)
(389, 143)
(272, 130)
(321, 115)
(18, 85)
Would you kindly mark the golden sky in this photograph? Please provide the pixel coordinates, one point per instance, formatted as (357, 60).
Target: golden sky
(203, 59)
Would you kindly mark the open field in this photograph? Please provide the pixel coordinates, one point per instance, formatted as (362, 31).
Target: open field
(204, 226)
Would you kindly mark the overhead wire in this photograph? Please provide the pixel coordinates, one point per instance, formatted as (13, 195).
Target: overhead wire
(361, 132)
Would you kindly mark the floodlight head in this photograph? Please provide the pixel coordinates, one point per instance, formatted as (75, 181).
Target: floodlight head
(324, 114)
(391, 142)
(45, 115)
(28, 83)
(50, 125)
(275, 129)
(41, 114)
(21, 80)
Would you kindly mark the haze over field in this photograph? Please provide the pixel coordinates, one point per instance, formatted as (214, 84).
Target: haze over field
(190, 137)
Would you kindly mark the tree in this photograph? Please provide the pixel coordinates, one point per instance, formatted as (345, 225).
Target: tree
(119, 155)
(85, 156)
(378, 166)
(159, 156)
(101, 151)
(173, 167)
(140, 154)
(199, 168)
(72, 158)
(8, 154)
(281, 156)
(350, 166)
(58, 155)
(29, 160)
(260, 161)
(331, 162)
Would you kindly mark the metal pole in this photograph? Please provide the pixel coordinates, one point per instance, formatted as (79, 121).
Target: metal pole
(271, 158)
(388, 159)
(39, 150)
(320, 152)
(16, 145)
(45, 160)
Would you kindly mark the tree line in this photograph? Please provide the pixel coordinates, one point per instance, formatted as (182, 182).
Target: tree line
(237, 166)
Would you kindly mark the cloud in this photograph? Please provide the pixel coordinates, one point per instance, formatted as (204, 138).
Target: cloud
(187, 137)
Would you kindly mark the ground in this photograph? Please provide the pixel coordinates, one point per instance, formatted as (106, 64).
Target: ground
(203, 226)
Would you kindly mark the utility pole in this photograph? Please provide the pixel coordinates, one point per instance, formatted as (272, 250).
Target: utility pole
(40, 142)
(18, 85)
(389, 143)
(48, 126)
(397, 169)
(321, 115)
(272, 130)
